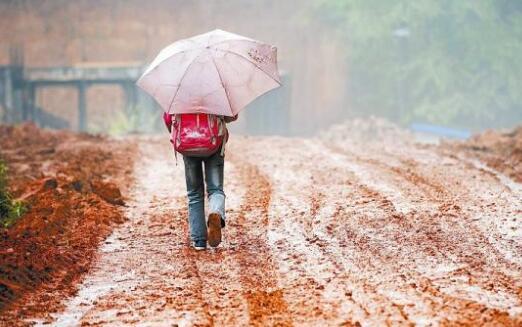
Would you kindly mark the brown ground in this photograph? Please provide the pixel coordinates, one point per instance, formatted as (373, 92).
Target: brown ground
(66, 181)
(318, 233)
(501, 151)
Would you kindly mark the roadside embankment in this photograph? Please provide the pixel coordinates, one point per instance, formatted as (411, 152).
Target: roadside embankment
(71, 186)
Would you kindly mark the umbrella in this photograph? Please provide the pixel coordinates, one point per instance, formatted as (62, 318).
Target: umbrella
(217, 73)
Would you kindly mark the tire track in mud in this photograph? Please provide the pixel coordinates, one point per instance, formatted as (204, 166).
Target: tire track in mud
(313, 296)
(383, 277)
(322, 290)
(492, 201)
(435, 237)
(487, 266)
(148, 273)
(192, 258)
(337, 248)
(449, 209)
(489, 195)
(446, 204)
(144, 273)
(411, 284)
(332, 247)
(248, 229)
(348, 240)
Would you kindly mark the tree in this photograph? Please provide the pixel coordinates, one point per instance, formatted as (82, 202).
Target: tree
(442, 61)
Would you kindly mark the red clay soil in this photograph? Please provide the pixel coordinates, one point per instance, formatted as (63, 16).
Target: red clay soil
(501, 151)
(319, 233)
(70, 185)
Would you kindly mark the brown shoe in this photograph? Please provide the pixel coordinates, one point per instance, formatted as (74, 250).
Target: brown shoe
(214, 229)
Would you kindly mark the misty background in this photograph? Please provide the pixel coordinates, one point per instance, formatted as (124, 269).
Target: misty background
(451, 63)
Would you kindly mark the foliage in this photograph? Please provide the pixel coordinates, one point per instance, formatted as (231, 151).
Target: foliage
(123, 123)
(442, 61)
(138, 120)
(10, 210)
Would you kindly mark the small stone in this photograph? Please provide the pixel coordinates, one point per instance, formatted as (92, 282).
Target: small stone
(49, 184)
(108, 191)
(77, 185)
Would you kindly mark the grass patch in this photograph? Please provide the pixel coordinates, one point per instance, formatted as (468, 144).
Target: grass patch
(10, 210)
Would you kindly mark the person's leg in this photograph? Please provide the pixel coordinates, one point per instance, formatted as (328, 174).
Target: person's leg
(214, 167)
(216, 197)
(196, 198)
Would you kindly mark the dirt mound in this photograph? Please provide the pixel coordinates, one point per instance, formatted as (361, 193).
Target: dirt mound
(362, 130)
(501, 151)
(70, 184)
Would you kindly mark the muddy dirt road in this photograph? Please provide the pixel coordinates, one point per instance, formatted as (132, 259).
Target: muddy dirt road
(316, 235)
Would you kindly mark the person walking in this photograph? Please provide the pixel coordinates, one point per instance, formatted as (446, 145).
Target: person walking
(202, 83)
(204, 163)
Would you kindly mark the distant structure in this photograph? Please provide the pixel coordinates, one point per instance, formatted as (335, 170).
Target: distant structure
(62, 33)
(18, 86)
(269, 114)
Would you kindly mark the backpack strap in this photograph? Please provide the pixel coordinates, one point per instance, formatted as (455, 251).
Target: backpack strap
(210, 120)
(222, 126)
(178, 127)
(223, 132)
(175, 125)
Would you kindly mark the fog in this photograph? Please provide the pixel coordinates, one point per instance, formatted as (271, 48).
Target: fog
(446, 63)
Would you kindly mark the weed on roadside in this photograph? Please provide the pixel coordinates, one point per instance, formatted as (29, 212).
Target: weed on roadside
(10, 210)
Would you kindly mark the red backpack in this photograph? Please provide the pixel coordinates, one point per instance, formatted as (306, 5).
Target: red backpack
(196, 135)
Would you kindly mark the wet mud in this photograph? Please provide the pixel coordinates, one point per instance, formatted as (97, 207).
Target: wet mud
(500, 150)
(70, 187)
(318, 233)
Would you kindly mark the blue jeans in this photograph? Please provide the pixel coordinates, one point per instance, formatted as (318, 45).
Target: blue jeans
(196, 191)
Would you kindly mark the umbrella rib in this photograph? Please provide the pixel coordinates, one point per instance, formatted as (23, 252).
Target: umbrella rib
(223, 84)
(181, 80)
(150, 68)
(245, 58)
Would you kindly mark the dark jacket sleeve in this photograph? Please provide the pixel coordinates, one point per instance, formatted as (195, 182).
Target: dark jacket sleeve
(230, 119)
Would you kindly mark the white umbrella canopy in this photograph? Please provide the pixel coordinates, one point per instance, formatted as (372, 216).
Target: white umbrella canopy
(217, 73)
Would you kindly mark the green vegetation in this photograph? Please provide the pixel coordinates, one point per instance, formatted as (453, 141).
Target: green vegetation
(441, 61)
(10, 210)
(139, 120)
